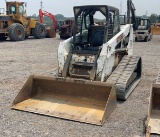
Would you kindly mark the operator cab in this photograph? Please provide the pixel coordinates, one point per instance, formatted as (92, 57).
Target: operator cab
(69, 22)
(144, 24)
(92, 36)
(16, 8)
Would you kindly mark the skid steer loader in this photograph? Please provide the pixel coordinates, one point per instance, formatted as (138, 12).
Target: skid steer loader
(96, 66)
(66, 29)
(153, 120)
(17, 26)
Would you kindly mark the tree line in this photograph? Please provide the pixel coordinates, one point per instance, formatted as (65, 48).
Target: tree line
(153, 18)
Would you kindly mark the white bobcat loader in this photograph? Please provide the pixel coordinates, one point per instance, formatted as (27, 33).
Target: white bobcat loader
(96, 67)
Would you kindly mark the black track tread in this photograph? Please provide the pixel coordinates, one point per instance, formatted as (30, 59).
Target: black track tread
(11, 33)
(122, 75)
(36, 32)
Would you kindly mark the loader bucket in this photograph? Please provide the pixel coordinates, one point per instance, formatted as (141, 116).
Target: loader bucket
(155, 30)
(50, 32)
(79, 100)
(153, 120)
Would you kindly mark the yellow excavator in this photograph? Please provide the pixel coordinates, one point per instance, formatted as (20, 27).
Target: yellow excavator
(95, 68)
(17, 26)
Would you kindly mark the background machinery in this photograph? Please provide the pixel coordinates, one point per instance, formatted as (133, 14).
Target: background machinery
(17, 26)
(95, 68)
(131, 14)
(156, 28)
(60, 23)
(158, 21)
(143, 32)
(51, 29)
(66, 29)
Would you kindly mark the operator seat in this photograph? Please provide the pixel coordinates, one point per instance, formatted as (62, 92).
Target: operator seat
(98, 38)
(95, 37)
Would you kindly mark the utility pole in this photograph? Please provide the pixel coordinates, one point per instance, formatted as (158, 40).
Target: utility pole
(41, 4)
(121, 8)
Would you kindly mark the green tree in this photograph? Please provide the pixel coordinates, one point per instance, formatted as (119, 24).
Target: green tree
(60, 17)
(158, 18)
(153, 18)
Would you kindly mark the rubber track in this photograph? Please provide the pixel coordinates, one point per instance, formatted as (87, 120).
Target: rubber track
(125, 77)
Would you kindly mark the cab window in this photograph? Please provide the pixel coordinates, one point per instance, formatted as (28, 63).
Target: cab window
(12, 9)
(144, 22)
(21, 10)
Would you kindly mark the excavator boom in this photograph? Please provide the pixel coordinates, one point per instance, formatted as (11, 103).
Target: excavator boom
(50, 29)
(131, 11)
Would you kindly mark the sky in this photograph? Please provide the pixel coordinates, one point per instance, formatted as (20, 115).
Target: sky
(65, 7)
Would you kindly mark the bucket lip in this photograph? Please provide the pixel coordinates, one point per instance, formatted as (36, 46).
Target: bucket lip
(98, 123)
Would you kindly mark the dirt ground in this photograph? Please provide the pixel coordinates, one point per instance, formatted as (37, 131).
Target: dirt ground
(19, 60)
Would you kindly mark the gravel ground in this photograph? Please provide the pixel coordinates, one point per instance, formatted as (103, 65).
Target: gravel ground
(19, 60)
